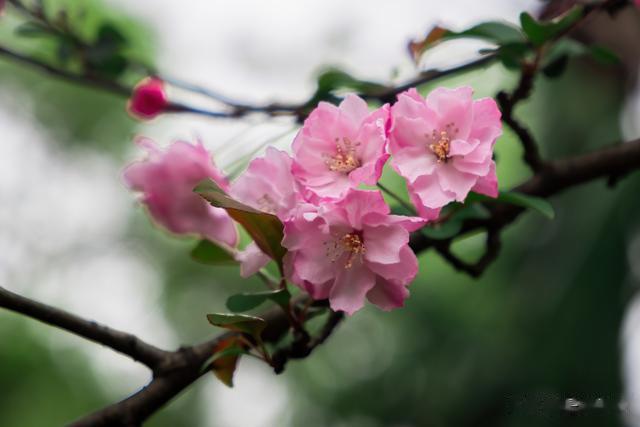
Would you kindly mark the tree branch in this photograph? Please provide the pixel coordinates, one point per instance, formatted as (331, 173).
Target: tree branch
(121, 342)
(174, 371)
(236, 108)
(508, 103)
(557, 176)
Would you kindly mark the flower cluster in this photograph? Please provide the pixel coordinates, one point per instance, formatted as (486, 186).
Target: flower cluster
(343, 242)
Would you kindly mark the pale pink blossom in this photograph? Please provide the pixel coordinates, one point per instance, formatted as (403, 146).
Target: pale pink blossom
(443, 146)
(350, 250)
(251, 260)
(269, 186)
(166, 180)
(341, 147)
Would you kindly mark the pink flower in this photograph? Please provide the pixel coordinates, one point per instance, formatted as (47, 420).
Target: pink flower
(148, 99)
(167, 178)
(351, 250)
(341, 147)
(443, 146)
(251, 260)
(637, 3)
(267, 185)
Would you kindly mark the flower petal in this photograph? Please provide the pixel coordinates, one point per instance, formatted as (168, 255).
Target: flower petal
(388, 295)
(251, 259)
(383, 243)
(351, 287)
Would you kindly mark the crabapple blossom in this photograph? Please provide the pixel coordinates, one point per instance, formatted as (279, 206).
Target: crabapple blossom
(166, 180)
(350, 250)
(341, 147)
(267, 185)
(148, 99)
(443, 146)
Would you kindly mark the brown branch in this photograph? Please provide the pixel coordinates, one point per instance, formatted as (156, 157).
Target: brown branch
(174, 371)
(95, 82)
(237, 109)
(492, 249)
(508, 103)
(303, 345)
(119, 341)
(179, 369)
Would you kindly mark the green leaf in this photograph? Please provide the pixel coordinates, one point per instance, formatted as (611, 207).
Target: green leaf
(265, 229)
(541, 32)
(32, 29)
(207, 252)
(247, 301)
(538, 204)
(333, 79)
(604, 55)
(499, 33)
(105, 55)
(512, 54)
(242, 323)
(453, 225)
(110, 35)
(564, 49)
(65, 50)
(443, 231)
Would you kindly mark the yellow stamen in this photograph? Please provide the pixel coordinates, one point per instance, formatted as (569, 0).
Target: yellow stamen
(345, 160)
(354, 244)
(441, 147)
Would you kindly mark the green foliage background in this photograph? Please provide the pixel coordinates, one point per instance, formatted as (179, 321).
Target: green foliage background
(541, 325)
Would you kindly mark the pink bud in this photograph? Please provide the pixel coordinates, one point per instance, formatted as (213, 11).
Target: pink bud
(149, 98)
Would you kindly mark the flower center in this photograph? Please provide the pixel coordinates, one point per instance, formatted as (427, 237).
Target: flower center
(354, 245)
(351, 243)
(345, 160)
(440, 142)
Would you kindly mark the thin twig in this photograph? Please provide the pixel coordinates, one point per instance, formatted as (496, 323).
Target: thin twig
(397, 198)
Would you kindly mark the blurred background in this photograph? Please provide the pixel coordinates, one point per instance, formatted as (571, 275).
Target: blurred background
(554, 318)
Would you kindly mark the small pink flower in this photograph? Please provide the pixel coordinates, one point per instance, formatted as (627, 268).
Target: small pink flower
(267, 185)
(443, 146)
(167, 178)
(341, 147)
(148, 99)
(351, 250)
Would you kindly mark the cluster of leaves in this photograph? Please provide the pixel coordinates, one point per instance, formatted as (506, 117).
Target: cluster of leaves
(104, 51)
(266, 230)
(515, 45)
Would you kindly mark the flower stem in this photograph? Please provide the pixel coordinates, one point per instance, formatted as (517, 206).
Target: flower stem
(398, 199)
